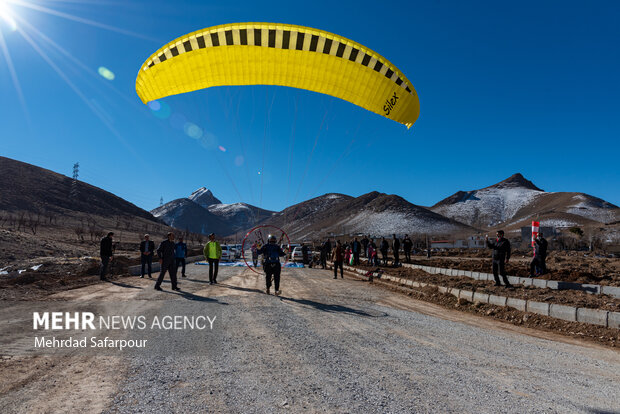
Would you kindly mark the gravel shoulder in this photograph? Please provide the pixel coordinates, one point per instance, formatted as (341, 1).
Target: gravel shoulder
(325, 346)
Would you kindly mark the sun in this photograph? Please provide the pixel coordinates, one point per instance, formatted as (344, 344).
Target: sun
(6, 15)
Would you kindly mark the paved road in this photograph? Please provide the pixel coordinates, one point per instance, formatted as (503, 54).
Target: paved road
(324, 346)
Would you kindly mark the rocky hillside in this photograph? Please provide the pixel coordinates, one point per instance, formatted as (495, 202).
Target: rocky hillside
(518, 199)
(375, 213)
(203, 213)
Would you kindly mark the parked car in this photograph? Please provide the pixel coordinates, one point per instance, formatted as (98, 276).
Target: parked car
(297, 255)
(227, 254)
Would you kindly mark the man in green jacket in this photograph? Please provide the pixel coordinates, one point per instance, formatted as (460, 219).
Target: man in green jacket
(213, 254)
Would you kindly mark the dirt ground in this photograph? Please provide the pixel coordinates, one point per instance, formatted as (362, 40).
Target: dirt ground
(605, 336)
(564, 297)
(566, 266)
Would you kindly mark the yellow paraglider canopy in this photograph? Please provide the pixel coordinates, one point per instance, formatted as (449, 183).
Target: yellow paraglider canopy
(279, 54)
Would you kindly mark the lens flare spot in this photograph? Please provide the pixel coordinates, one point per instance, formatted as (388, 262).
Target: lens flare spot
(154, 105)
(208, 140)
(192, 130)
(160, 109)
(239, 160)
(106, 73)
(259, 173)
(221, 148)
(178, 121)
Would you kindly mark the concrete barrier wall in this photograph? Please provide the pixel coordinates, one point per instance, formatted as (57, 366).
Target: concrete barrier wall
(567, 313)
(525, 281)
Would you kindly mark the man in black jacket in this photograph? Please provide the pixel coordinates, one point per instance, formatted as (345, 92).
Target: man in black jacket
(147, 247)
(407, 245)
(396, 250)
(365, 242)
(540, 254)
(356, 247)
(106, 252)
(165, 252)
(383, 247)
(271, 263)
(501, 256)
(325, 250)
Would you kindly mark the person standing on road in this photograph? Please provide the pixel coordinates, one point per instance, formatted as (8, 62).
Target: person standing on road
(384, 250)
(254, 250)
(304, 254)
(165, 252)
(501, 256)
(147, 247)
(338, 258)
(213, 254)
(106, 252)
(365, 242)
(271, 263)
(407, 245)
(325, 250)
(180, 253)
(357, 249)
(396, 250)
(540, 255)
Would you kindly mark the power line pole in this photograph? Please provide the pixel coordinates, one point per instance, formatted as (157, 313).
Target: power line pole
(74, 183)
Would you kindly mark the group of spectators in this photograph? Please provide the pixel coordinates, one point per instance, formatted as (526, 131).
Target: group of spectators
(172, 255)
(369, 248)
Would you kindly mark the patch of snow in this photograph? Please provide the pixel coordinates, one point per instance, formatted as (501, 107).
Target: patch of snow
(557, 223)
(333, 197)
(37, 267)
(21, 271)
(3, 272)
(228, 209)
(200, 192)
(490, 205)
(388, 222)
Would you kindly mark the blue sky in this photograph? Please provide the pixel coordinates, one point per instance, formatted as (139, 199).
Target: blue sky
(528, 87)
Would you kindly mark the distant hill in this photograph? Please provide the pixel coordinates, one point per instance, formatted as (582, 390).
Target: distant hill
(375, 213)
(28, 188)
(517, 199)
(203, 213)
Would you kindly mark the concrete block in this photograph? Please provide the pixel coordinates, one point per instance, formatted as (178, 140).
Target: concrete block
(481, 297)
(410, 283)
(611, 291)
(514, 280)
(467, 273)
(467, 295)
(567, 313)
(497, 300)
(595, 289)
(518, 304)
(442, 289)
(454, 291)
(539, 283)
(593, 316)
(525, 281)
(540, 308)
(613, 320)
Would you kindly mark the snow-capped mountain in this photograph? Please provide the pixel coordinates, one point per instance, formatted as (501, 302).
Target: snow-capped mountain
(518, 199)
(375, 213)
(204, 197)
(203, 213)
(185, 214)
